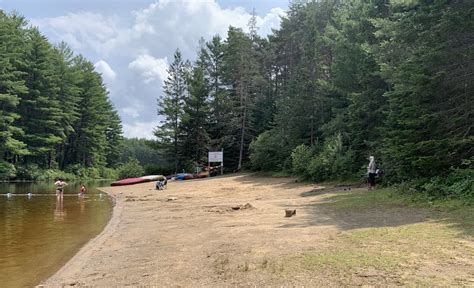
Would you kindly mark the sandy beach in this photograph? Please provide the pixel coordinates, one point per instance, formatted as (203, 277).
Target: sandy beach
(231, 231)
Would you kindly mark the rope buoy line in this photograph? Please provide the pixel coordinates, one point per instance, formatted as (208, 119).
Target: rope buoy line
(31, 194)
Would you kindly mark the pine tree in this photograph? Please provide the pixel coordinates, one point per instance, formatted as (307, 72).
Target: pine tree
(67, 81)
(240, 75)
(429, 122)
(89, 142)
(114, 139)
(40, 109)
(195, 119)
(11, 86)
(221, 114)
(170, 107)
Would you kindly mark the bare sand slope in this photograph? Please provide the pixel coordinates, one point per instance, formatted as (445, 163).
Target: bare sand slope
(202, 233)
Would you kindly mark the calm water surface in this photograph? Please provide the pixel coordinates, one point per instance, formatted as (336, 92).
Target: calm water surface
(39, 234)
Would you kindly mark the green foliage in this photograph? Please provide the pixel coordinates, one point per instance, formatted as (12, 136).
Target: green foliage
(151, 169)
(54, 107)
(429, 120)
(7, 170)
(300, 157)
(267, 153)
(51, 174)
(130, 169)
(194, 138)
(459, 184)
(170, 107)
(28, 172)
(391, 79)
(145, 151)
(108, 173)
(333, 162)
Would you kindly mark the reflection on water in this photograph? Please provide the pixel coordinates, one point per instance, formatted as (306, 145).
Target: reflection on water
(39, 232)
(59, 212)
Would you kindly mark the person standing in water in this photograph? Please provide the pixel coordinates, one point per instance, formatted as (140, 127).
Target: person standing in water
(371, 172)
(60, 187)
(83, 190)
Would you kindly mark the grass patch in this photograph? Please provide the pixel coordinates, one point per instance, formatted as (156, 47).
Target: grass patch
(348, 260)
(273, 174)
(455, 216)
(365, 199)
(389, 197)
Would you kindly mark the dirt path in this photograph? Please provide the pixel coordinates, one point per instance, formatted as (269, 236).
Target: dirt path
(192, 234)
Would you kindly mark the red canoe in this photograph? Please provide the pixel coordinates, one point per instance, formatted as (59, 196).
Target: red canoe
(129, 181)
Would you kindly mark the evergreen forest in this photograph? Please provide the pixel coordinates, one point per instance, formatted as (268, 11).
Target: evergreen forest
(339, 81)
(55, 112)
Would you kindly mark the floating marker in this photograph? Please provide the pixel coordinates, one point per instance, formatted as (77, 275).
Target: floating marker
(9, 194)
(29, 195)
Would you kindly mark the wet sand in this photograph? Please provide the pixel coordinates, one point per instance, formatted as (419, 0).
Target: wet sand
(231, 231)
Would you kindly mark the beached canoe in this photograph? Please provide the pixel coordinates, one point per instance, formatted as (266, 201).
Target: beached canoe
(153, 177)
(129, 181)
(184, 176)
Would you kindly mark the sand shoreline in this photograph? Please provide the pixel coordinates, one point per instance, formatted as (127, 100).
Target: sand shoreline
(73, 265)
(230, 231)
(195, 218)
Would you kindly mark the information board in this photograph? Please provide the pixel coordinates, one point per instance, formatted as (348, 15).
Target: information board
(216, 156)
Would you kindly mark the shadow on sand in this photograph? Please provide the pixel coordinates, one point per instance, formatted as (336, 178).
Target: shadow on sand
(349, 207)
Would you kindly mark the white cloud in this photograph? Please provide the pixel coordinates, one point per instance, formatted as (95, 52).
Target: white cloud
(162, 26)
(270, 21)
(104, 68)
(81, 30)
(138, 45)
(150, 68)
(140, 129)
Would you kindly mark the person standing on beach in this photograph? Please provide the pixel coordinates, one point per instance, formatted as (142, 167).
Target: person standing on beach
(59, 187)
(371, 172)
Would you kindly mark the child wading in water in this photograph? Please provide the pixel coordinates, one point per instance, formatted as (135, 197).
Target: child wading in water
(83, 190)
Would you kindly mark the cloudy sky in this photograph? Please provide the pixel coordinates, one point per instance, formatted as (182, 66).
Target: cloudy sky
(132, 42)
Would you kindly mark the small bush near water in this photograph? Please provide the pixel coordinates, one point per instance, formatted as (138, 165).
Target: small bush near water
(151, 169)
(130, 169)
(7, 170)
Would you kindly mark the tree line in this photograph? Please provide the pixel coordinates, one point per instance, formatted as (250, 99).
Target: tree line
(339, 81)
(55, 111)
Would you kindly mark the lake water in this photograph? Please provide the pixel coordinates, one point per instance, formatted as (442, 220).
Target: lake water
(40, 233)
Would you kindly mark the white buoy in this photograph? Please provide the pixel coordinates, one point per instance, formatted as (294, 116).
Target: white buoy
(29, 195)
(9, 194)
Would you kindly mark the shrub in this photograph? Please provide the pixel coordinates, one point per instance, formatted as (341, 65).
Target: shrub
(7, 170)
(108, 173)
(152, 169)
(300, 157)
(268, 153)
(458, 184)
(333, 162)
(27, 172)
(51, 174)
(130, 169)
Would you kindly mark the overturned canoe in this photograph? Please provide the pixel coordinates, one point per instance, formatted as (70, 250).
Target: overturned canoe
(184, 176)
(129, 181)
(153, 177)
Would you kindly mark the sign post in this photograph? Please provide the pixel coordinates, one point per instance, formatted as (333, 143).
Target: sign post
(217, 157)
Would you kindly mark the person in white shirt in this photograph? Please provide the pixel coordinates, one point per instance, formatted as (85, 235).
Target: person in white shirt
(371, 172)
